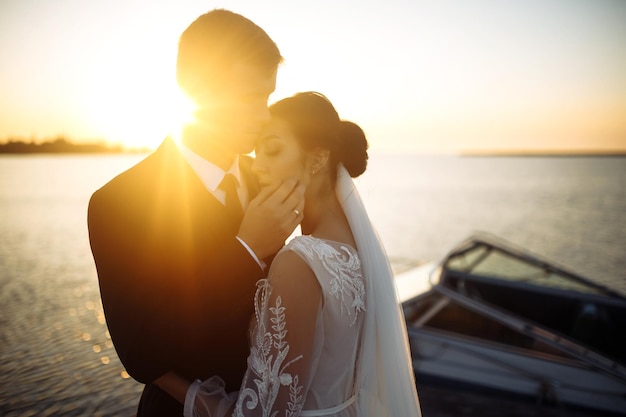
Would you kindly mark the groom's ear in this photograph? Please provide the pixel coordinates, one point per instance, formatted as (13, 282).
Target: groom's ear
(319, 159)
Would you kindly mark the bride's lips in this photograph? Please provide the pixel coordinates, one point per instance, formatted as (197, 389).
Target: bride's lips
(263, 182)
(266, 182)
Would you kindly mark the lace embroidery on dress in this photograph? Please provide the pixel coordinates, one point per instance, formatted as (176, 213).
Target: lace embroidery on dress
(343, 266)
(268, 370)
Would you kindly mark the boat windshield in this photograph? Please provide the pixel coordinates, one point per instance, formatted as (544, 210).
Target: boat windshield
(517, 285)
(497, 263)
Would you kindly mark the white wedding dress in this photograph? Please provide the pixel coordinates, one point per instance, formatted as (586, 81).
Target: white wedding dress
(346, 355)
(312, 376)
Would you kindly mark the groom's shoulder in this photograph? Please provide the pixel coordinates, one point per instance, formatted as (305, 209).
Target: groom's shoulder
(125, 178)
(139, 175)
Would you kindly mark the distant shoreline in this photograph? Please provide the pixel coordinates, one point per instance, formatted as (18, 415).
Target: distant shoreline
(544, 154)
(62, 146)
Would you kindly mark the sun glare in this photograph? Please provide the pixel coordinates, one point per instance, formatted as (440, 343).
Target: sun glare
(178, 113)
(138, 109)
(145, 121)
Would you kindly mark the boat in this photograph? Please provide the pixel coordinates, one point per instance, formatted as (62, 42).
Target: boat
(493, 316)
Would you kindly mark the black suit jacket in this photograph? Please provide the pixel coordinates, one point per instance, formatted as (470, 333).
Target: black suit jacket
(176, 286)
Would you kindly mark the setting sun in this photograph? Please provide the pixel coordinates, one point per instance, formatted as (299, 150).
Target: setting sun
(139, 111)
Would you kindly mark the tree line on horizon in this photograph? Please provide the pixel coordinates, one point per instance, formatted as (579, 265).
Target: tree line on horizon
(59, 144)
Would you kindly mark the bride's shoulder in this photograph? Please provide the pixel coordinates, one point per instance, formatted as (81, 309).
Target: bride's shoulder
(302, 245)
(296, 254)
(302, 240)
(289, 268)
(305, 244)
(301, 253)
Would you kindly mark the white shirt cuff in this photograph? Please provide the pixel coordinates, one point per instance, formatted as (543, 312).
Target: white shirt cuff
(251, 252)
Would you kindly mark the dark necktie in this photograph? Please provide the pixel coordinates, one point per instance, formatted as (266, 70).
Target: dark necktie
(232, 203)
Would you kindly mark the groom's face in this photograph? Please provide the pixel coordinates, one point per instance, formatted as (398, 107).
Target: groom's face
(238, 110)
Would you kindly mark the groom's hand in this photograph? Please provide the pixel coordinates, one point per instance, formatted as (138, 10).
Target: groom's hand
(272, 216)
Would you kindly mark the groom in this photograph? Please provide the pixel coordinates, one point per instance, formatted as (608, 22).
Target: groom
(177, 260)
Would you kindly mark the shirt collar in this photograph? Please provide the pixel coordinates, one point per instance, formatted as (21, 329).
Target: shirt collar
(210, 174)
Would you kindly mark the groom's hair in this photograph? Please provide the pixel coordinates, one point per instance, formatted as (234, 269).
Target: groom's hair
(213, 43)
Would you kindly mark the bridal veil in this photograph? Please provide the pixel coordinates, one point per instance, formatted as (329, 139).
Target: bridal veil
(385, 383)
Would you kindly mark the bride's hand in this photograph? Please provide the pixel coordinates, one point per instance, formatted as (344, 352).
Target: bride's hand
(272, 216)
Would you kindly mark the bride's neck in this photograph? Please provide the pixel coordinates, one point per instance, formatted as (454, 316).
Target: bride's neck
(324, 218)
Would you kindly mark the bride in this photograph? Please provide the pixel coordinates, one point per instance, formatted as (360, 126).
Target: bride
(328, 337)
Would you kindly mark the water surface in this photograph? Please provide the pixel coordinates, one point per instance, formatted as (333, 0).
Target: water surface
(56, 357)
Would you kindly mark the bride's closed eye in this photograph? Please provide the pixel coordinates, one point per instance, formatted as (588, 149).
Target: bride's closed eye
(269, 147)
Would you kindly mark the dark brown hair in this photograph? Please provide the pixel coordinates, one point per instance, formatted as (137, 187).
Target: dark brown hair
(315, 123)
(215, 41)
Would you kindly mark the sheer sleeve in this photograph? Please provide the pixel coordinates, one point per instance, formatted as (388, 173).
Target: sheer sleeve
(284, 347)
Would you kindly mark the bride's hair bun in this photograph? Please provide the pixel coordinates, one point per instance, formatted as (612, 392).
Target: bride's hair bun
(315, 122)
(352, 148)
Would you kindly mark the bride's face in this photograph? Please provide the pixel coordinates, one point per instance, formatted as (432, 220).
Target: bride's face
(279, 156)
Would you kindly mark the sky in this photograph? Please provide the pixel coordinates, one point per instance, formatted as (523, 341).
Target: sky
(438, 76)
